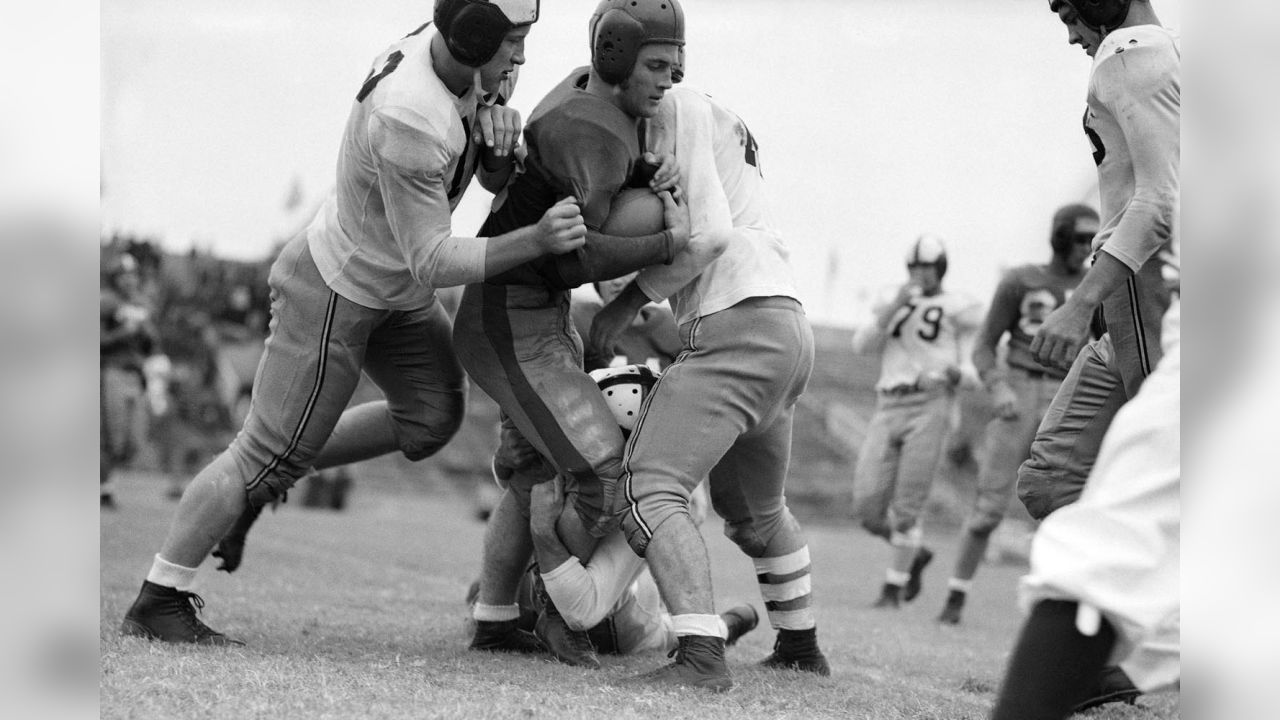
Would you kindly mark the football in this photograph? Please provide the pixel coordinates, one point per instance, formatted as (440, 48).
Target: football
(635, 212)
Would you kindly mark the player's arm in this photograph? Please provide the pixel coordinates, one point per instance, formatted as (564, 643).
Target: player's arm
(411, 165)
(497, 132)
(572, 588)
(602, 256)
(584, 157)
(1001, 316)
(968, 323)
(1143, 94)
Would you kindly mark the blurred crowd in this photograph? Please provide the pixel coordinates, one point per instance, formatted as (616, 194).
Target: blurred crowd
(180, 336)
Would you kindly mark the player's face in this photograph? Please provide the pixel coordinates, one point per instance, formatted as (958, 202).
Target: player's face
(650, 79)
(503, 65)
(926, 278)
(1077, 32)
(1082, 242)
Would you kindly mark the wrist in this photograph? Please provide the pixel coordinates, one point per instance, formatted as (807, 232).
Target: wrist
(632, 297)
(492, 162)
(669, 246)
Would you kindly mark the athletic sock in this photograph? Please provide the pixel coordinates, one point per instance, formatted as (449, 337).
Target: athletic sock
(695, 624)
(1053, 666)
(785, 587)
(171, 575)
(495, 613)
(896, 577)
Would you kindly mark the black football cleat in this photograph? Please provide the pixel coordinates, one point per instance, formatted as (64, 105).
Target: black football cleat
(888, 597)
(740, 620)
(798, 650)
(505, 636)
(1113, 686)
(951, 611)
(699, 663)
(164, 613)
(922, 559)
(569, 646)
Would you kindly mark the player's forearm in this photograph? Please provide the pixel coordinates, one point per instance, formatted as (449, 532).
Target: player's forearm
(546, 544)
(660, 282)
(1147, 226)
(1105, 276)
(494, 172)
(573, 589)
(607, 256)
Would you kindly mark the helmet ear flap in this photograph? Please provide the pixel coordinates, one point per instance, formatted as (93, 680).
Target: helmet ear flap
(473, 30)
(615, 42)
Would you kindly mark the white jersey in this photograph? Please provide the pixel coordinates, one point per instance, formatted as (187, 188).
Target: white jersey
(924, 337)
(720, 165)
(384, 238)
(1133, 122)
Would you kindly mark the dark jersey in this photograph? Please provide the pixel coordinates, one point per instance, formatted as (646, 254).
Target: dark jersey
(579, 144)
(1025, 297)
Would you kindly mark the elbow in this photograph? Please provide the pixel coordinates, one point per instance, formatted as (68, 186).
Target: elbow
(707, 247)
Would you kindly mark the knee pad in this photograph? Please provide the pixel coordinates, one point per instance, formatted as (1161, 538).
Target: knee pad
(744, 535)
(430, 430)
(877, 527)
(910, 537)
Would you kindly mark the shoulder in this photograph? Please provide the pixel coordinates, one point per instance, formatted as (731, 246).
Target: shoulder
(413, 119)
(1137, 59)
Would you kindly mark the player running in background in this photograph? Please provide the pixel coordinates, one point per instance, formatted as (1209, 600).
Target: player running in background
(1133, 121)
(926, 336)
(127, 336)
(514, 334)
(1021, 388)
(355, 291)
(723, 410)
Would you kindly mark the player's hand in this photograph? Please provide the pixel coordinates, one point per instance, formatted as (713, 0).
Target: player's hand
(667, 176)
(546, 502)
(607, 327)
(561, 228)
(676, 216)
(497, 128)
(1061, 336)
(1004, 401)
(908, 292)
(514, 451)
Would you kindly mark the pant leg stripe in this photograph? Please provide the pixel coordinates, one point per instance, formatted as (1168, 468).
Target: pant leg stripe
(497, 330)
(1144, 355)
(309, 408)
(644, 409)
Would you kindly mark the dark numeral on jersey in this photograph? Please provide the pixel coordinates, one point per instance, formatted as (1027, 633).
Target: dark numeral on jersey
(932, 317)
(371, 82)
(1099, 150)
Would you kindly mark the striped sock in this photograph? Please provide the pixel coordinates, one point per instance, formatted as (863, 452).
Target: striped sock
(784, 585)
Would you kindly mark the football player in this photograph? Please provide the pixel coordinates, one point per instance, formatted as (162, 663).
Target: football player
(724, 409)
(127, 335)
(925, 335)
(514, 334)
(1132, 120)
(1020, 388)
(356, 290)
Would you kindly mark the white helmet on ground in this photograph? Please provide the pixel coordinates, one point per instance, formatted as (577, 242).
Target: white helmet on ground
(624, 389)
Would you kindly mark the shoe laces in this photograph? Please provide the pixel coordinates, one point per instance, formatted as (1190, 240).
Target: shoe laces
(189, 605)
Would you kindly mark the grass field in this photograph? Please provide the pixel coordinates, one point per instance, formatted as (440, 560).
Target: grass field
(360, 614)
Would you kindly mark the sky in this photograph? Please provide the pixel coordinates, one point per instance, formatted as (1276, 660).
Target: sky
(877, 120)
